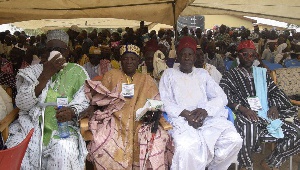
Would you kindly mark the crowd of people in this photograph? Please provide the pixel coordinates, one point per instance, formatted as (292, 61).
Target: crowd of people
(108, 76)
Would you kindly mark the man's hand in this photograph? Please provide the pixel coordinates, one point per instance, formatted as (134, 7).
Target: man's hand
(49, 69)
(64, 114)
(194, 118)
(250, 114)
(199, 114)
(87, 112)
(53, 66)
(273, 113)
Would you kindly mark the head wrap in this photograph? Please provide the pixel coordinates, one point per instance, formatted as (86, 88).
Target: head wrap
(58, 35)
(75, 28)
(247, 44)
(187, 42)
(151, 45)
(130, 48)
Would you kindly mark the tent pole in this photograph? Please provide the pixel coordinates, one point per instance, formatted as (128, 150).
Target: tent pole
(175, 20)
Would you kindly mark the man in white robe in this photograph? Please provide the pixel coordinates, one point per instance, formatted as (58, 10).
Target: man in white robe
(194, 102)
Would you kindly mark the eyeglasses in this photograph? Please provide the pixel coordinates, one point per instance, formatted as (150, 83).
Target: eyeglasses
(61, 50)
(248, 55)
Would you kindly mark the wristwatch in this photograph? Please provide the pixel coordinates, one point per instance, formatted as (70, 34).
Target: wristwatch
(237, 107)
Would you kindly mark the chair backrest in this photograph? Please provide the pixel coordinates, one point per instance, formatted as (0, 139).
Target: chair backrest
(292, 63)
(266, 61)
(228, 65)
(12, 158)
(274, 66)
(288, 80)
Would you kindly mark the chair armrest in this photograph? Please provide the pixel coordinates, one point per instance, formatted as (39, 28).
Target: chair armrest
(273, 76)
(84, 129)
(4, 123)
(9, 118)
(295, 102)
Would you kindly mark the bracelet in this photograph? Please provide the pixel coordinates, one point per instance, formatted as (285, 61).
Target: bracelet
(237, 107)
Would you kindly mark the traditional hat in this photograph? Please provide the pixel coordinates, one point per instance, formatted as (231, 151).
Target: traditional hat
(58, 35)
(75, 28)
(187, 42)
(247, 44)
(94, 50)
(130, 48)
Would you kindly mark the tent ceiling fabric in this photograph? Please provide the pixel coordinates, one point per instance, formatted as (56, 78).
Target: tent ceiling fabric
(156, 11)
(280, 10)
(80, 22)
(159, 11)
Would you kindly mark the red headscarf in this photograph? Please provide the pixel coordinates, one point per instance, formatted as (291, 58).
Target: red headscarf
(187, 42)
(248, 44)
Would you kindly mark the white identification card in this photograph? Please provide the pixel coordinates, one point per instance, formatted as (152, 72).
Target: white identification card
(62, 101)
(127, 90)
(254, 103)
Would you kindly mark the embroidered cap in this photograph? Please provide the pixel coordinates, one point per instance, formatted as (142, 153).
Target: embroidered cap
(187, 42)
(130, 48)
(58, 35)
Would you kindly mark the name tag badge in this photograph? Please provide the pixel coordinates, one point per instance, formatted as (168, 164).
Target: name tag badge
(127, 90)
(62, 101)
(254, 103)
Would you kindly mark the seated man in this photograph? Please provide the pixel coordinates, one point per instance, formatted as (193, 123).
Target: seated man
(200, 63)
(121, 142)
(41, 88)
(260, 105)
(195, 104)
(93, 66)
(211, 57)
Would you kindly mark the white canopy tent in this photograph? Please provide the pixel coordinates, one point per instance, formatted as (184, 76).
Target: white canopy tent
(158, 11)
(152, 11)
(280, 10)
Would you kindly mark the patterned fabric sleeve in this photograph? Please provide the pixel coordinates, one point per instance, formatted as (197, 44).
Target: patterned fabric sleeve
(227, 84)
(277, 98)
(27, 79)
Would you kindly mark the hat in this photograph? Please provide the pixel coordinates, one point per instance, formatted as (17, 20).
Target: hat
(75, 28)
(151, 45)
(247, 44)
(130, 48)
(58, 35)
(187, 42)
(94, 50)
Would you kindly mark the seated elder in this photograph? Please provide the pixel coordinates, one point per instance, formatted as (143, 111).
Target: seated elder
(119, 141)
(261, 108)
(41, 88)
(195, 104)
